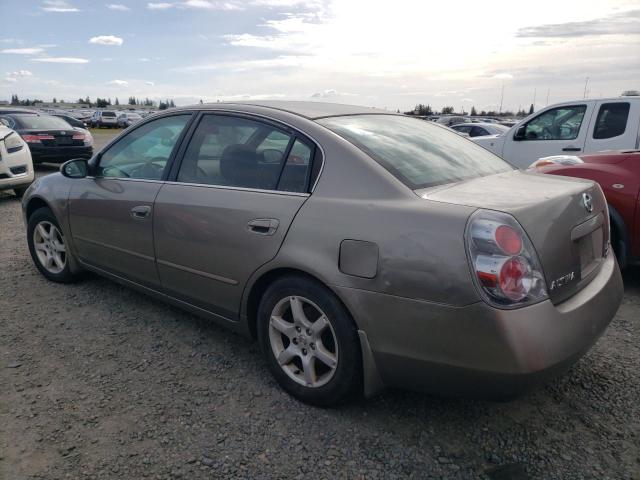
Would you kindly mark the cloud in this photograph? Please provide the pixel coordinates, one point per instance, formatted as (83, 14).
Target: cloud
(119, 83)
(13, 77)
(503, 76)
(118, 6)
(107, 40)
(20, 73)
(622, 23)
(159, 6)
(325, 94)
(149, 83)
(23, 51)
(210, 5)
(58, 6)
(70, 60)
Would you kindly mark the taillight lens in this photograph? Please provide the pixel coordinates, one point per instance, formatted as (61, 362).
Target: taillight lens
(85, 137)
(36, 138)
(505, 265)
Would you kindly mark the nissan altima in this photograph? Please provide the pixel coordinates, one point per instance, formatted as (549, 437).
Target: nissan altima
(362, 249)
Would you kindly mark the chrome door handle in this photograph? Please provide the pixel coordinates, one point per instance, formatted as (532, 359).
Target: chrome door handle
(140, 212)
(263, 226)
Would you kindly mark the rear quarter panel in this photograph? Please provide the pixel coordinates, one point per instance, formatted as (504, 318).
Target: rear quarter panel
(624, 199)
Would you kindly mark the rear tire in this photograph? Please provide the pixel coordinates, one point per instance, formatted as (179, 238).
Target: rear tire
(309, 341)
(47, 246)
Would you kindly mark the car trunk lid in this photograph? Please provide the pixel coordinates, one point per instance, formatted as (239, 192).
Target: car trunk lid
(565, 218)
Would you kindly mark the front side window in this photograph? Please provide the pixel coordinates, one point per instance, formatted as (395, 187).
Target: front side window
(612, 120)
(240, 152)
(144, 152)
(562, 123)
(418, 153)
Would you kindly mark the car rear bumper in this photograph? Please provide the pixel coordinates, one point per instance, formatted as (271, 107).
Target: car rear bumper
(60, 154)
(477, 350)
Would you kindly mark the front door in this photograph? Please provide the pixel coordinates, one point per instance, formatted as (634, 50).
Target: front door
(111, 212)
(240, 184)
(557, 131)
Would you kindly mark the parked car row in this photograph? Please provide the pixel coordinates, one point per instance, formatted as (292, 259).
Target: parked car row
(266, 218)
(50, 138)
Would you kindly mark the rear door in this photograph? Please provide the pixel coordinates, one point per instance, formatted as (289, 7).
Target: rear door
(614, 126)
(557, 131)
(111, 212)
(226, 212)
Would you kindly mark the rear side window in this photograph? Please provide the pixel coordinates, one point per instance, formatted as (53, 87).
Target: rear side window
(240, 152)
(478, 132)
(108, 114)
(612, 120)
(418, 153)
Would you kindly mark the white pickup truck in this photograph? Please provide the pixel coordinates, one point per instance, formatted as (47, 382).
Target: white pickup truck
(570, 128)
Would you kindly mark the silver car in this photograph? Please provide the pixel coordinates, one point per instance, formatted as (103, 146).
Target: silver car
(362, 249)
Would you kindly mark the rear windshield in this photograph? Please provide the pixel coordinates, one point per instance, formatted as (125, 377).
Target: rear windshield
(418, 153)
(108, 114)
(37, 122)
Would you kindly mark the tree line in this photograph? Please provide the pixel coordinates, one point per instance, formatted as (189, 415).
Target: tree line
(98, 103)
(426, 110)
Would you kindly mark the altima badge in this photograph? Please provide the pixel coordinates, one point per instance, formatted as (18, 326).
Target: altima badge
(587, 202)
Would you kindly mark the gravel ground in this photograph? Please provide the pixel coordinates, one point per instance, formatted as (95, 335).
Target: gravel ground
(100, 382)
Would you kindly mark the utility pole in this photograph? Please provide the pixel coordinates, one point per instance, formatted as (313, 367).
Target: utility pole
(501, 98)
(586, 82)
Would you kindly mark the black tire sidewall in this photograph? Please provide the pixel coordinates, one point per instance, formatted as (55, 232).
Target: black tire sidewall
(45, 214)
(347, 380)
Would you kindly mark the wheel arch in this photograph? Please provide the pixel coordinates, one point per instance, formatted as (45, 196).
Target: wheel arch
(619, 228)
(34, 204)
(262, 282)
(372, 382)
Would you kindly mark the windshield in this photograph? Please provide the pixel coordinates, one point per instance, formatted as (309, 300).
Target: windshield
(418, 153)
(37, 122)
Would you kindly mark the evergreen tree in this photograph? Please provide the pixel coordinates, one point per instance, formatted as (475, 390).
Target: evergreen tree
(473, 112)
(117, 101)
(531, 109)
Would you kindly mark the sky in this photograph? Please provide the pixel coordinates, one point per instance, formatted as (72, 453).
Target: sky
(388, 54)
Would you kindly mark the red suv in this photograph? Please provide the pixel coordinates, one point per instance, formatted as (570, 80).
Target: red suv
(618, 173)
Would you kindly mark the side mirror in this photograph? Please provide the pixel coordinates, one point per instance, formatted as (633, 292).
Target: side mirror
(76, 168)
(520, 133)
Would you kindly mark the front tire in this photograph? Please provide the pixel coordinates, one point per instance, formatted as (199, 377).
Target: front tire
(47, 246)
(19, 191)
(310, 342)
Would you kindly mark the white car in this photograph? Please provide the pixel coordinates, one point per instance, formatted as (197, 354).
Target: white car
(16, 167)
(570, 128)
(480, 129)
(104, 118)
(127, 119)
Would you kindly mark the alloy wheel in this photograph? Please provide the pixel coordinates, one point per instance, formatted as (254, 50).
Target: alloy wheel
(303, 341)
(50, 248)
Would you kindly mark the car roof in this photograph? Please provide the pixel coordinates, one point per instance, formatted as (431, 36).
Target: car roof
(477, 124)
(310, 110)
(14, 111)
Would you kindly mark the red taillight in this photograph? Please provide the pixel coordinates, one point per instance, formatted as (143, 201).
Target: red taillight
(78, 136)
(514, 278)
(506, 267)
(36, 138)
(508, 240)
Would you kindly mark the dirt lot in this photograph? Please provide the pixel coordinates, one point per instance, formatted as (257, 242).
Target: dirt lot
(97, 382)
